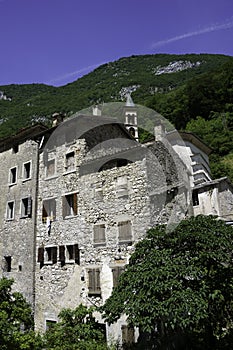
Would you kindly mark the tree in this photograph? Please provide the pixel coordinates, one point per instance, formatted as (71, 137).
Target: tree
(77, 330)
(16, 321)
(178, 286)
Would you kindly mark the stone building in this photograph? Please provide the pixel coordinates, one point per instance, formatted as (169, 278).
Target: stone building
(75, 200)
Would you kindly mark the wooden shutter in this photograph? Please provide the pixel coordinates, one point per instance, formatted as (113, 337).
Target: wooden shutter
(64, 207)
(116, 272)
(40, 257)
(62, 256)
(54, 255)
(44, 212)
(99, 233)
(29, 207)
(75, 204)
(94, 281)
(76, 254)
(124, 229)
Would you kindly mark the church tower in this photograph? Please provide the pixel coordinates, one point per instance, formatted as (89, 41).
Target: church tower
(131, 122)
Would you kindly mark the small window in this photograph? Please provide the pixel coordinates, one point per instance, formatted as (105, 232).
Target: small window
(72, 253)
(27, 171)
(7, 267)
(10, 210)
(51, 254)
(94, 282)
(195, 198)
(50, 168)
(99, 194)
(128, 336)
(70, 162)
(99, 234)
(69, 205)
(26, 207)
(49, 210)
(13, 176)
(122, 187)
(125, 231)
(116, 272)
(50, 324)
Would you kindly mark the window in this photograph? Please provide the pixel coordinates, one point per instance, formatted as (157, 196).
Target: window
(116, 272)
(49, 210)
(70, 163)
(26, 207)
(94, 282)
(99, 234)
(99, 194)
(51, 254)
(27, 171)
(50, 324)
(10, 210)
(127, 334)
(69, 253)
(122, 187)
(69, 205)
(125, 231)
(13, 176)
(50, 169)
(7, 267)
(195, 198)
(15, 149)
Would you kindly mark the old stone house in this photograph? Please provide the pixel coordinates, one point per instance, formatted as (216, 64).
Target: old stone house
(75, 199)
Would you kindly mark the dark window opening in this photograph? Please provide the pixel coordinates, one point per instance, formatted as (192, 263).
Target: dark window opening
(7, 264)
(50, 170)
(26, 207)
(132, 131)
(69, 205)
(50, 324)
(195, 198)
(13, 175)
(49, 210)
(171, 194)
(40, 257)
(70, 161)
(10, 210)
(51, 254)
(20, 268)
(15, 149)
(27, 170)
(128, 336)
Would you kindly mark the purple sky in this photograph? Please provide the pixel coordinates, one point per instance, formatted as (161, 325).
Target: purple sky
(57, 41)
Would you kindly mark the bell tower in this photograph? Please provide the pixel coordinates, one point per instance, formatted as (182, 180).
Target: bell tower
(131, 122)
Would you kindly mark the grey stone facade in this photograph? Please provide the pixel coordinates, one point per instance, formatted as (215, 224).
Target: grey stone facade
(74, 201)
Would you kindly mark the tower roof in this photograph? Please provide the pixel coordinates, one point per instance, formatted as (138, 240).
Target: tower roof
(129, 101)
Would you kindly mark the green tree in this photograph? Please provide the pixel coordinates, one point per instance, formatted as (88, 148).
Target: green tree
(16, 321)
(178, 286)
(77, 330)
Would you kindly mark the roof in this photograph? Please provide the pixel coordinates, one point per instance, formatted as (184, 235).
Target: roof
(195, 140)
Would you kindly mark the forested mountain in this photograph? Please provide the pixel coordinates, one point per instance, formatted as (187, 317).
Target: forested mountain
(195, 92)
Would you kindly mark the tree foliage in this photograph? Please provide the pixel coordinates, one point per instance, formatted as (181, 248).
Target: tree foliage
(178, 286)
(16, 321)
(77, 330)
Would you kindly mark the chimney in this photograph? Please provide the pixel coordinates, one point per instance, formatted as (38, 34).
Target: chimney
(57, 118)
(159, 131)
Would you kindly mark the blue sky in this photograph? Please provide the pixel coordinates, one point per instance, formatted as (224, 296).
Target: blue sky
(56, 41)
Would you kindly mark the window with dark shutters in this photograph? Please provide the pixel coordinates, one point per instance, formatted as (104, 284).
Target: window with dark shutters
(125, 231)
(51, 255)
(116, 272)
(99, 234)
(76, 254)
(40, 257)
(26, 207)
(94, 282)
(62, 257)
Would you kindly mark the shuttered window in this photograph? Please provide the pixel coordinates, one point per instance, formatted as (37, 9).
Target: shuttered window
(94, 282)
(99, 234)
(49, 210)
(62, 257)
(40, 257)
(51, 254)
(69, 205)
(116, 272)
(10, 210)
(125, 231)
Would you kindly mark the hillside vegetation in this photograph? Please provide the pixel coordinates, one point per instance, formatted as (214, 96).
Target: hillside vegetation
(194, 92)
